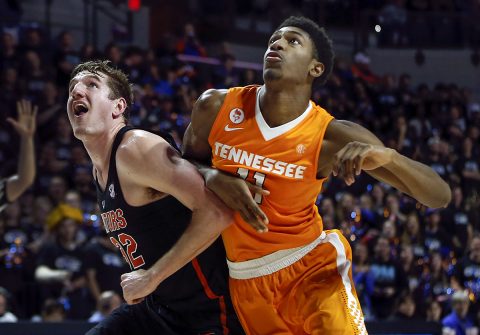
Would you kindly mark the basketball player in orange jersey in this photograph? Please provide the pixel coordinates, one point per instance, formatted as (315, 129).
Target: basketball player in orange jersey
(289, 276)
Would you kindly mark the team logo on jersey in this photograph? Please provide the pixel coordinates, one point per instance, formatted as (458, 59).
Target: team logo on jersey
(111, 189)
(301, 149)
(237, 115)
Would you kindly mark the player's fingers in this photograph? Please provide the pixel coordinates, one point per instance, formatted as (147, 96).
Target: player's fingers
(252, 220)
(359, 162)
(256, 212)
(351, 167)
(338, 160)
(257, 189)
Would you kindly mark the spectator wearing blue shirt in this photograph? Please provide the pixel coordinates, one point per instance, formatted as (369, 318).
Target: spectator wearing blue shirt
(457, 322)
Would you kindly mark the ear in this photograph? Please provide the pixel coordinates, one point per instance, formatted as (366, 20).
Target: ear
(316, 68)
(120, 105)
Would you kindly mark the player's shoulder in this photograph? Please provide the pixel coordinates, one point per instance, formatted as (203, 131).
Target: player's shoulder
(341, 128)
(210, 101)
(138, 145)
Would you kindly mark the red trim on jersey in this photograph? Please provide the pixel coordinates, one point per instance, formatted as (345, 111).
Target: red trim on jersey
(211, 295)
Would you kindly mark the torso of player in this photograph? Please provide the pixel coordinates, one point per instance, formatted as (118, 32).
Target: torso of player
(282, 160)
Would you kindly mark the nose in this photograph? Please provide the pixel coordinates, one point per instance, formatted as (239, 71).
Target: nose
(78, 90)
(279, 44)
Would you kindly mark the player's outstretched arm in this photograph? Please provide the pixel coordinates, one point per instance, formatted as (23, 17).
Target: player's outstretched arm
(350, 148)
(24, 125)
(235, 192)
(149, 161)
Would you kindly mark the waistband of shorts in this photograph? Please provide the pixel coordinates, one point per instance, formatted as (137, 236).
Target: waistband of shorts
(271, 263)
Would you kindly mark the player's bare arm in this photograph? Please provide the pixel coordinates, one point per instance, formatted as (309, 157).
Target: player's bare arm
(235, 192)
(25, 126)
(350, 148)
(145, 162)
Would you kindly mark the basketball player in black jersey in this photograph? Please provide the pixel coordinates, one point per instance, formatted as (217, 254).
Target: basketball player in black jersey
(157, 211)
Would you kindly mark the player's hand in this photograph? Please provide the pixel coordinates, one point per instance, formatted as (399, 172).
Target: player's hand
(236, 193)
(136, 285)
(26, 123)
(356, 156)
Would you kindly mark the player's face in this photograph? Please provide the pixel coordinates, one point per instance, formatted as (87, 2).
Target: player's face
(289, 56)
(89, 108)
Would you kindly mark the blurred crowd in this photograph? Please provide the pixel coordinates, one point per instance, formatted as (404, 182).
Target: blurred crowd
(410, 262)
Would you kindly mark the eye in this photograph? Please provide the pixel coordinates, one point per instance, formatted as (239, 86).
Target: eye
(92, 84)
(272, 40)
(294, 41)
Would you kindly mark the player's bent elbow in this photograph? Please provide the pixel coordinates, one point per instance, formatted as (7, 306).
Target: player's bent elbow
(441, 199)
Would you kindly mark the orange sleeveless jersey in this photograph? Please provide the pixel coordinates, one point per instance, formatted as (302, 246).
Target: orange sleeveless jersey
(282, 160)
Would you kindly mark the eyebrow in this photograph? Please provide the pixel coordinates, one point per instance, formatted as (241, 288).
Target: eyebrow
(88, 76)
(287, 31)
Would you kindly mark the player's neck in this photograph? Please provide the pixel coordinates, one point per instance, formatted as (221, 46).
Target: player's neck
(280, 105)
(99, 149)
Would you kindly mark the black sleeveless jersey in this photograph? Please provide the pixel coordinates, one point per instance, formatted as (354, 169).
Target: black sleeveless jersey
(144, 233)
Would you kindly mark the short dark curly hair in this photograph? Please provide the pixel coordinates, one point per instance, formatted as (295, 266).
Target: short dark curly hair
(323, 46)
(117, 80)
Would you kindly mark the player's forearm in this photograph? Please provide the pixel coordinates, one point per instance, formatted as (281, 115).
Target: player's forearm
(206, 225)
(417, 180)
(26, 169)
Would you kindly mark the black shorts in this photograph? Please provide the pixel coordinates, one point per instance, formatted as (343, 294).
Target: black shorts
(148, 318)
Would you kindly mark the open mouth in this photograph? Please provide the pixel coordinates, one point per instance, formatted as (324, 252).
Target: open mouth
(80, 109)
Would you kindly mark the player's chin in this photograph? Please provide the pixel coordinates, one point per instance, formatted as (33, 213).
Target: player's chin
(271, 73)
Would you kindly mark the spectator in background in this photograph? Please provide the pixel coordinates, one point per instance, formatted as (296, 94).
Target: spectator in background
(361, 68)
(405, 308)
(436, 239)
(108, 301)
(134, 64)
(65, 59)
(389, 279)
(226, 75)
(393, 19)
(12, 187)
(457, 322)
(412, 235)
(467, 271)
(103, 266)
(52, 311)
(363, 278)
(8, 51)
(457, 223)
(468, 167)
(434, 281)
(60, 263)
(410, 266)
(189, 43)
(57, 188)
(34, 41)
(88, 52)
(114, 54)
(433, 311)
(50, 110)
(35, 75)
(5, 314)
